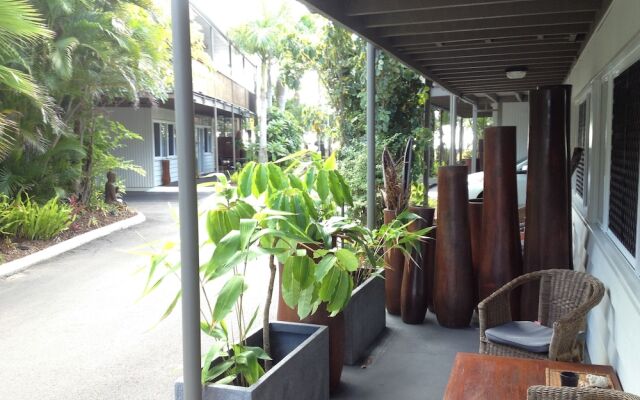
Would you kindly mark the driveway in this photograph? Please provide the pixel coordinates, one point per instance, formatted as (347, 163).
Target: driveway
(74, 327)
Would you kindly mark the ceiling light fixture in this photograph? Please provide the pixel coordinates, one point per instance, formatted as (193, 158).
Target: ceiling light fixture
(518, 72)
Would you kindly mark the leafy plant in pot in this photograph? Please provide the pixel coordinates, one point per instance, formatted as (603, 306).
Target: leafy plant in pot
(241, 233)
(318, 281)
(396, 195)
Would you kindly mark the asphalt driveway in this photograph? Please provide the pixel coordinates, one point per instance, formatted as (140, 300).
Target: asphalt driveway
(74, 327)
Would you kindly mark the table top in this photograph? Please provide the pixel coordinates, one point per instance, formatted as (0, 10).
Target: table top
(482, 376)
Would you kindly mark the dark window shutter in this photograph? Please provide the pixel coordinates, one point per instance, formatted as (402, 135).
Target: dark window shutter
(625, 149)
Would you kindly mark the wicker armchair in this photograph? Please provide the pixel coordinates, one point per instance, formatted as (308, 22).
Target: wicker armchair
(565, 299)
(572, 393)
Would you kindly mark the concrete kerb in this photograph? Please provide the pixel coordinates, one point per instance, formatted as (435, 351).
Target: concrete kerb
(19, 265)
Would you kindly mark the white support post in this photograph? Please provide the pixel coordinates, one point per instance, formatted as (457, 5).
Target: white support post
(474, 145)
(187, 200)
(233, 136)
(216, 155)
(453, 116)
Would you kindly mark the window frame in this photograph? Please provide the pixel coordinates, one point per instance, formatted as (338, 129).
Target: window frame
(164, 140)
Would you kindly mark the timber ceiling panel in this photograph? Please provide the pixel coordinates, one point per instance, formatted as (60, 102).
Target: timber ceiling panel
(466, 45)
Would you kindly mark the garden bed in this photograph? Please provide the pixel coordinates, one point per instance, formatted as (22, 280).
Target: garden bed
(85, 221)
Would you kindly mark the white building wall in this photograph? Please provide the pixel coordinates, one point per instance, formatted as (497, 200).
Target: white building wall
(614, 325)
(140, 152)
(517, 114)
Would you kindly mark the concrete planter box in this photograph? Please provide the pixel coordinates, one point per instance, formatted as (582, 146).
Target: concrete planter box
(364, 319)
(301, 369)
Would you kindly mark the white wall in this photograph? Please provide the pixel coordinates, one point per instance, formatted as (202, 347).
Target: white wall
(137, 120)
(612, 336)
(517, 114)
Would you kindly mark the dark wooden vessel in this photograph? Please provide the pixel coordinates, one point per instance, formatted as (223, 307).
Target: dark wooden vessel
(394, 266)
(547, 242)
(413, 297)
(453, 277)
(501, 250)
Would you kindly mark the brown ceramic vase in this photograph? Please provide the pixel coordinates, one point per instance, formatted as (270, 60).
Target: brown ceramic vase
(394, 266)
(453, 276)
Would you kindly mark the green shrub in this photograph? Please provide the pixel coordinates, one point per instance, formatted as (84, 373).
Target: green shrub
(28, 220)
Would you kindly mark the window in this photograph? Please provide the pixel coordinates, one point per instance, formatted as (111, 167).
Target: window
(164, 139)
(625, 160)
(583, 127)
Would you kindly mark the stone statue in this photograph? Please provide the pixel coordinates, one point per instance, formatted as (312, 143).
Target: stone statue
(110, 189)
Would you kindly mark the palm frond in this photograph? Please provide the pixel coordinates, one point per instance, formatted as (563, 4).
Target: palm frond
(20, 21)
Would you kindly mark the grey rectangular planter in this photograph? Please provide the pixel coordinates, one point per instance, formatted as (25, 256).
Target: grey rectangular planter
(364, 319)
(300, 371)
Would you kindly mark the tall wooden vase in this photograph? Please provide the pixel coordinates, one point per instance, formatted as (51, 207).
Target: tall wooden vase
(475, 231)
(430, 266)
(413, 296)
(453, 285)
(501, 250)
(547, 242)
(394, 266)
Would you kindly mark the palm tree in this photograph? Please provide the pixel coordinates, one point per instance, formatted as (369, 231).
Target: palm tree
(20, 27)
(264, 38)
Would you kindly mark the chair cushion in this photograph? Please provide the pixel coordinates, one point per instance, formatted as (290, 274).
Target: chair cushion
(525, 335)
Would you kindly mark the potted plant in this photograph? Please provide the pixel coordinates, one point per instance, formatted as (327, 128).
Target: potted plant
(282, 360)
(396, 194)
(316, 283)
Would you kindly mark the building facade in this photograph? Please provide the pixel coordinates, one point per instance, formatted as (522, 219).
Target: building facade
(224, 102)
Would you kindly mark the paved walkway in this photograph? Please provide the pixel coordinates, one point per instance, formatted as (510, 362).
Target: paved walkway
(75, 328)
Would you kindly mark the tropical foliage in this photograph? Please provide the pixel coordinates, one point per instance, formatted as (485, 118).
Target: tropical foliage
(285, 134)
(70, 57)
(28, 220)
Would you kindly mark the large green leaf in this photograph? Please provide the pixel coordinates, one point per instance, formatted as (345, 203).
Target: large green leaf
(347, 259)
(276, 177)
(298, 274)
(224, 253)
(336, 188)
(322, 184)
(247, 227)
(325, 265)
(219, 224)
(245, 180)
(346, 192)
(341, 295)
(260, 179)
(228, 296)
(330, 162)
(296, 182)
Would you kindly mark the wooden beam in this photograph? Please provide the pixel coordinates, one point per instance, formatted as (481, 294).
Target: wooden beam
(509, 88)
(507, 60)
(489, 64)
(483, 44)
(520, 49)
(503, 78)
(464, 59)
(495, 72)
(488, 34)
(368, 7)
(488, 23)
(482, 11)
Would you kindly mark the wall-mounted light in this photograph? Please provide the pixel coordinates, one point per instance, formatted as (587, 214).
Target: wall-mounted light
(518, 72)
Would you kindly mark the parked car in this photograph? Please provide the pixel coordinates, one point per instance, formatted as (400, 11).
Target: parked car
(476, 184)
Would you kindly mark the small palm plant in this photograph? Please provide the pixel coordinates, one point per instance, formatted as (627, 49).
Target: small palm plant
(397, 189)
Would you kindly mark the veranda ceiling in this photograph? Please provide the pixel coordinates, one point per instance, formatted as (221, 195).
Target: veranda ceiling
(466, 45)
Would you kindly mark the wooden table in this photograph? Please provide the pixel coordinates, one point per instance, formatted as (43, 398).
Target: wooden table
(481, 376)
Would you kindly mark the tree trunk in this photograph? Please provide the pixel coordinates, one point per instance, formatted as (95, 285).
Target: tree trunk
(262, 111)
(281, 95)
